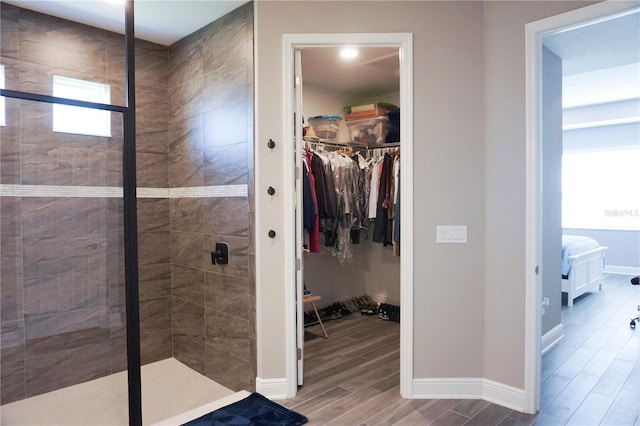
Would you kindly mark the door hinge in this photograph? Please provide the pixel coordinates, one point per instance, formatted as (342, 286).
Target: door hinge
(298, 265)
(299, 353)
(537, 270)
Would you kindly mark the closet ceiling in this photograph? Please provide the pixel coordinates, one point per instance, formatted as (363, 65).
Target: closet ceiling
(375, 71)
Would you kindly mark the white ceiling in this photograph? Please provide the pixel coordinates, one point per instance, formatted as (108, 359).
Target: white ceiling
(159, 21)
(600, 61)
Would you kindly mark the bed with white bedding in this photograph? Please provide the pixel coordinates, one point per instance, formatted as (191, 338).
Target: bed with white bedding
(582, 266)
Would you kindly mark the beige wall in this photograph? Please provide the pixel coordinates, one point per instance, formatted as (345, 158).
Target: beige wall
(469, 162)
(504, 186)
(448, 139)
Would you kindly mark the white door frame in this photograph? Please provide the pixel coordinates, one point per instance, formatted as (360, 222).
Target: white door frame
(404, 42)
(535, 31)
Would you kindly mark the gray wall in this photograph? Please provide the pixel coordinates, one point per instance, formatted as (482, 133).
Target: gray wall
(623, 246)
(551, 267)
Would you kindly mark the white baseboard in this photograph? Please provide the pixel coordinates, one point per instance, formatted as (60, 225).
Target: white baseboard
(623, 270)
(272, 388)
(469, 388)
(551, 338)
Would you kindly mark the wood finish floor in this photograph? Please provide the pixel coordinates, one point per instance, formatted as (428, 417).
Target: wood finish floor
(589, 378)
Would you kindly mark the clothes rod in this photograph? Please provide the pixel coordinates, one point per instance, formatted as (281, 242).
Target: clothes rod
(360, 145)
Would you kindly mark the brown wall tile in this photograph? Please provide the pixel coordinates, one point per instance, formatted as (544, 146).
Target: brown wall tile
(152, 170)
(154, 281)
(186, 214)
(84, 46)
(66, 367)
(13, 381)
(187, 249)
(155, 345)
(153, 214)
(188, 284)
(227, 332)
(11, 280)
(185, 135)
(226, 165)
(186, 169)
(226, 216)
(10, 31)
(226, 126)
(189, 351)
(226, 369)
(154, 248)
(188, 319)
(229, 295)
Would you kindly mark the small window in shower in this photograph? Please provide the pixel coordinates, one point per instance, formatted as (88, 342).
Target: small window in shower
(2, 112)
(80, 120)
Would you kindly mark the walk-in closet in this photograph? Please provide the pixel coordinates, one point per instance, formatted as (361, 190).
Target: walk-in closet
(350, 217)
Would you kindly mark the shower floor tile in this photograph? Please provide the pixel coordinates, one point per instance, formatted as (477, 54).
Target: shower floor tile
(169, 388)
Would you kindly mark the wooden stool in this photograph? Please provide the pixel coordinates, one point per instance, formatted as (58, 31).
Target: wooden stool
(311, 298)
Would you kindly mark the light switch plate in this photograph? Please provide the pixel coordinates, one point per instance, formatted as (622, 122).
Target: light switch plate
(451, 234)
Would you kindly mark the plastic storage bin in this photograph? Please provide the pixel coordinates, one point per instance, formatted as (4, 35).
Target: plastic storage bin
(370, 110)
(326, 126)
(369, 130)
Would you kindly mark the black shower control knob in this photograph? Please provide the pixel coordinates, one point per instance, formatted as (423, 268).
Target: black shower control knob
(271, 144)
(271, 190)
(272, 233)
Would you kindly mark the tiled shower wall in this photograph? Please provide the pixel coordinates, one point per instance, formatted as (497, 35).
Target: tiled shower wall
(211, 145)
(62, 284)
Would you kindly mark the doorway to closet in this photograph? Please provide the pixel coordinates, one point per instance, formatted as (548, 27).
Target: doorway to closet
(350, 257)
(355, 270)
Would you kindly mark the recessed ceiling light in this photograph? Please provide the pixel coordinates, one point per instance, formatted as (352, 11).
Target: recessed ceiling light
(115, 1)
(348, 53)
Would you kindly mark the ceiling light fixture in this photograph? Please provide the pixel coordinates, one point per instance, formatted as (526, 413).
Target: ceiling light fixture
(348, 53)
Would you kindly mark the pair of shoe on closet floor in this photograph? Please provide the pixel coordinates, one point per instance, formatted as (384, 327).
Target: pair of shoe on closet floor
(389, 312)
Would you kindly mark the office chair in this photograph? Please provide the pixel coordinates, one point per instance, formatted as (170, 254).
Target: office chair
(632, 324)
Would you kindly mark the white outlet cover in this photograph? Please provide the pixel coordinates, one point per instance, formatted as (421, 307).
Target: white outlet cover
(451, 234)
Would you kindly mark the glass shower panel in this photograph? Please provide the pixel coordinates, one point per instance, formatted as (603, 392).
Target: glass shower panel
(62, 265)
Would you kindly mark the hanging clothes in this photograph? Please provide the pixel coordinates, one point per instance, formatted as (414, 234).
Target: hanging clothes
(382, 228)
(310, 208)
(350, 193)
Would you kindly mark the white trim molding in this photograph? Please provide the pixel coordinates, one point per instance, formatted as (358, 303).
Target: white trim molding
(470, 388)
(552, 338)
(404, 42)
(272, 388)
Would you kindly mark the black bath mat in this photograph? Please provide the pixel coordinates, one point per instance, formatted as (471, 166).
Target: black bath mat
(254, 410)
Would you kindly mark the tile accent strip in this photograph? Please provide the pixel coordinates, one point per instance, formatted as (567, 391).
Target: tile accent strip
(9, 190)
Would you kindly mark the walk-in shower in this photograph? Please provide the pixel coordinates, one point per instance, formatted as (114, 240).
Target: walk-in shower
(107, 233)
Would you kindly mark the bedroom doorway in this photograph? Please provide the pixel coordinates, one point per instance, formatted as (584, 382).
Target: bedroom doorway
(535, 247)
